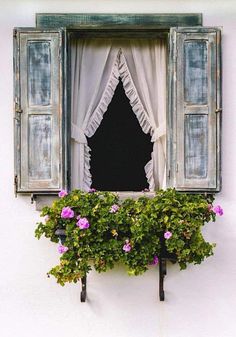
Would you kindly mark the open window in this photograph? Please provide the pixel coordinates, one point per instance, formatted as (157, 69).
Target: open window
(97, 66)
(120, 149)
(43, 97)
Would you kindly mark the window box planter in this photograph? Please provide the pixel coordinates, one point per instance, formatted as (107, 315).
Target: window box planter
(137, 233)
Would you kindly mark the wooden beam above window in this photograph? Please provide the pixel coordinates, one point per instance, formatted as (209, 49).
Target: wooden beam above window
(123, 21)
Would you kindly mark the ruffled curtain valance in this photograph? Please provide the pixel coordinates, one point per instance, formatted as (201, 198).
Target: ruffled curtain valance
(97, 66)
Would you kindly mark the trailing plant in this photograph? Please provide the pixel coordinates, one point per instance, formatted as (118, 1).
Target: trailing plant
(100, 231)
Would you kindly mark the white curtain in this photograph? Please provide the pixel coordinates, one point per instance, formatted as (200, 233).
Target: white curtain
(97, 65)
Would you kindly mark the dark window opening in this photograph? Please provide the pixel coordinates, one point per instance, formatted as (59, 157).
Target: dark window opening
(119, 148)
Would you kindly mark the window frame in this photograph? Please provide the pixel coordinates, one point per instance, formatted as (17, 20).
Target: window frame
(113, 26)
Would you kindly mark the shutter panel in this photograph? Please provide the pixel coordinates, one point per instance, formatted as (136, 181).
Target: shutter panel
(40, 125)
(194, 119)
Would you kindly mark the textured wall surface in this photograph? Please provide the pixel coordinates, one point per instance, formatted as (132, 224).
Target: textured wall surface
(200, 302)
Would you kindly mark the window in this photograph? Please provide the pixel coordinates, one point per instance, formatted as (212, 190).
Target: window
(119, 148)
(43, 94)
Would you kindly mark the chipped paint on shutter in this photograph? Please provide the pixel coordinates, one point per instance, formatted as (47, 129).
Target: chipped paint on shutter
(194, 93)
(39, 120)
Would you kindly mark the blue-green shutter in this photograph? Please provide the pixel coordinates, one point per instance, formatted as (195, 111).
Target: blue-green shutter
(40, 121)
(194, 118)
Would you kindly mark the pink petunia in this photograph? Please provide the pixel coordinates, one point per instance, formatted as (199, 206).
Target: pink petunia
(167, 235)
(114, 208)
(67, 213)
(62, 193)
(127, 246)
(83, 223)
(154, 261)
(62, 249)
(218, 210)
(92, 190)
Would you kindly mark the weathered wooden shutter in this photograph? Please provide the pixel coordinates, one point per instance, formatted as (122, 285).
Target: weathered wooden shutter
(40, 124)
(193, 143)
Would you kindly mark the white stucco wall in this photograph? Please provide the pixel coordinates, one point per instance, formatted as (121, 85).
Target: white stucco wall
(200, 301)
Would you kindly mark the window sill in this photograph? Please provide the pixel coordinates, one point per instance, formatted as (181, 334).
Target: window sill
(46, 200)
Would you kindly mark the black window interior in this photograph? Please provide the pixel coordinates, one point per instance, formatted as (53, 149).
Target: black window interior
(119, 148)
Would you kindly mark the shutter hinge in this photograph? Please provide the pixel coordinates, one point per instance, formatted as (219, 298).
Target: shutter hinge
(219, 110)
(169, 174)
(14, 32)
(18, 108)
(15, 185)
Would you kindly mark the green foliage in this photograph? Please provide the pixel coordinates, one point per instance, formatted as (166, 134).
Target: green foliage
(140, 223)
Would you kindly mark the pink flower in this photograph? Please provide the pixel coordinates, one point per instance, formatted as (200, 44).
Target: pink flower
(167, 235)
(83, 223)
(92, 190)
(67, 213)
(127, 246)
(62, 249)
(154, 261)
(114, 208)
(218, 210)
(62, 193)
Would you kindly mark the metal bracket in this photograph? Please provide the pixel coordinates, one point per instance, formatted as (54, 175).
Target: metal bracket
(83, 293)
(32, 198)
(62, 236)
(162, 274)
(15, 185)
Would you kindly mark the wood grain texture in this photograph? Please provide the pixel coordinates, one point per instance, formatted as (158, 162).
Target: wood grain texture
(39, 73)
(40, 147)
(195, 72)
(124, 21)
(194, 146)
(39, 128)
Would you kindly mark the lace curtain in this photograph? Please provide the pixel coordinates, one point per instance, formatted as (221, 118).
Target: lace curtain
(97, 65)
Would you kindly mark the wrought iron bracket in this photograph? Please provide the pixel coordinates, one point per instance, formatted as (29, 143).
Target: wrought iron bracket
(83, 293)
(162, 274)
(162, 271)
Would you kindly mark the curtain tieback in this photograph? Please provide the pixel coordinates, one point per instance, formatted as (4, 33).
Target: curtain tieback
(78, 134)
(159, 132)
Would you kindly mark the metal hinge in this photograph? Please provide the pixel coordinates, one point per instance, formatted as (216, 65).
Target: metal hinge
(18, 108)
(169, 174)
(15, 33)
(218, 110)
(15, 185)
